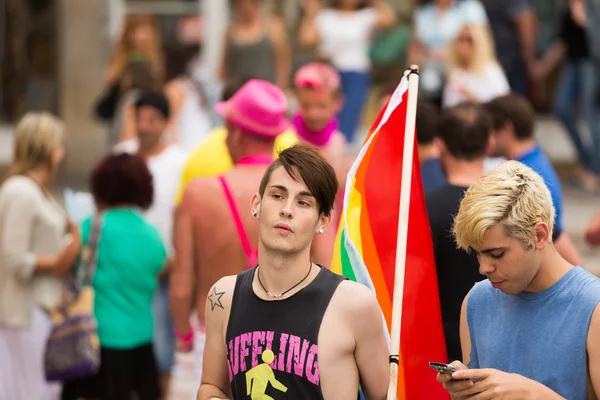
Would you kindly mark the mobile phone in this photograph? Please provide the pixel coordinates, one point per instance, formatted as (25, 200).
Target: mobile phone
(442, 368)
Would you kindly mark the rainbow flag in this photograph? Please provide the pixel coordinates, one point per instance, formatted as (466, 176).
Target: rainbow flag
(365, 248)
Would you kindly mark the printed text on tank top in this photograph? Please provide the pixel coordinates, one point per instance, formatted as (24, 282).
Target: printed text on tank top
(251, 254)
(316, 138)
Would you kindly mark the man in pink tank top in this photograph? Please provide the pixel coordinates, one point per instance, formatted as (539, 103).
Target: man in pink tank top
(215, 233)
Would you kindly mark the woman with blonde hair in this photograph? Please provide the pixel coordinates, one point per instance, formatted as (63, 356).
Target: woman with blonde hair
(474, 74)
(38, 248)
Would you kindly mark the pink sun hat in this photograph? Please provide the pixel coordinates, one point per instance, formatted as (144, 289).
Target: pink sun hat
(258, 107)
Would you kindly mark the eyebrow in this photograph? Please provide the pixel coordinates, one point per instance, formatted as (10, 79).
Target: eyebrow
(486, 251)
(284, 189)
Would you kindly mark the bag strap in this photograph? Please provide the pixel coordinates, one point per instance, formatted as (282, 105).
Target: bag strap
(89, 258)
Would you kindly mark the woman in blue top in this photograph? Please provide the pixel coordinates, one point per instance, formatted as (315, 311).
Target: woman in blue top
(131, 254)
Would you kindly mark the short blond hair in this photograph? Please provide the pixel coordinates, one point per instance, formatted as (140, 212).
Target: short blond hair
(512, 195)
(37, 136)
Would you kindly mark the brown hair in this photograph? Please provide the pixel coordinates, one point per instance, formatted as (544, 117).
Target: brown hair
(303, 161)
(514, 109)
(465, 130)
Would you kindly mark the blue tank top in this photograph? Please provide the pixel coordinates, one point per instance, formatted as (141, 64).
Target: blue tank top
(542, 336)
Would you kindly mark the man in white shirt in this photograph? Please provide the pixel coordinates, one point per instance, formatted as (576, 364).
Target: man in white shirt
(166, 162)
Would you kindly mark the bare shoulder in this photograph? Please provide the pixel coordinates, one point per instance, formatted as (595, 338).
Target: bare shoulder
(198, 190)
(277, 24)
(219, 299)
(355, 299)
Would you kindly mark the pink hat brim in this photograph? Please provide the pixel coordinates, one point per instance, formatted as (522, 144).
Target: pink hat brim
(223, 108)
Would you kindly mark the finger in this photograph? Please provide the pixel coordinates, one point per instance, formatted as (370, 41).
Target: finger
(443, 378)
(475, 388)
(458, 387)
(472, 373)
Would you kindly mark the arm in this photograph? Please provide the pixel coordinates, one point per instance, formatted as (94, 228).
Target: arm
(416, 50)
(525, 20)
(309, 36)
(215, 376)
(592, 233)
(372, 351)
(175, 93)
(20, 216)
(465, 335)
(128, 129)
(593, 351)
(550, 59)
(283, 57)
(386, 15)
(182, 279)
(222, 71)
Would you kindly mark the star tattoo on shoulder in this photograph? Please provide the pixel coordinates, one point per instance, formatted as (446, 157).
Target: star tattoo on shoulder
(215, 299)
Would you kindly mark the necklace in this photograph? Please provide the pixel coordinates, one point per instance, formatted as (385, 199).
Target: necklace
(283, 293)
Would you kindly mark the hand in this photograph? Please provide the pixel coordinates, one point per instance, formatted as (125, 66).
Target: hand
(184, 347)
(438, 53)
(538, 70)
(493, 384)
(450, 384)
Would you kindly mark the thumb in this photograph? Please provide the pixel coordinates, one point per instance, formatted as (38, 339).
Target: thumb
(458, 365)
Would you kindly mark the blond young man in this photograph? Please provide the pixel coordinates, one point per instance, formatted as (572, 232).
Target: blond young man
(531, 330)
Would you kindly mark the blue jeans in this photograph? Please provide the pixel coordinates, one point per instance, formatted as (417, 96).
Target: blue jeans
(164, 338)
(355, 86)
(577, 87)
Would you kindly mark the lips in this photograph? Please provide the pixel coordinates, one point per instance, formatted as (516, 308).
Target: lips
(497, 284)
(284, 228)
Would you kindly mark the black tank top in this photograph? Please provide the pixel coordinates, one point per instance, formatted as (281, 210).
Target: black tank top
(272, 347)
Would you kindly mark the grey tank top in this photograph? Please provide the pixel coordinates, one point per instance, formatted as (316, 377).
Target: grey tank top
(255, 60)
(542, 336)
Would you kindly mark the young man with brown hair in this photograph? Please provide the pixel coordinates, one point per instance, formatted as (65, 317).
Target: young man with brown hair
(289, 325)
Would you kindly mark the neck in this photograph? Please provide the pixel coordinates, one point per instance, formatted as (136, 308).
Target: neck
(444, 5)
(40, 175)
(248, 17)
(552, 268)
(279, 272)
(428, 152)
(152, 151)
(462, 173)
(257, 149)
(317, 138)
(518, 148)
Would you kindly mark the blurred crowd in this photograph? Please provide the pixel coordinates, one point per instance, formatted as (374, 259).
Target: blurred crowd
(187, 153)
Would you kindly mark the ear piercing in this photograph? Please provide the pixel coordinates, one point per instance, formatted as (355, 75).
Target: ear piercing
(254, 215)
(321, 230)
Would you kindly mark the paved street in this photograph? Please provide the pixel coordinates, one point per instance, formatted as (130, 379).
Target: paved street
(578, 211)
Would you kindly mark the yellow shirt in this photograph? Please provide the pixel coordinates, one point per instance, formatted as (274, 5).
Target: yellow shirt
(212, 158)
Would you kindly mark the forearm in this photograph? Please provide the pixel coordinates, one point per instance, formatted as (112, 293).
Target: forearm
(553, 55)
(309, 35)
(283, 67)
(527, 36)
(210, 392)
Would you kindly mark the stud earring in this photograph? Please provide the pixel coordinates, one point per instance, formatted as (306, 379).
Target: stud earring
(254, 215)
(321, 230)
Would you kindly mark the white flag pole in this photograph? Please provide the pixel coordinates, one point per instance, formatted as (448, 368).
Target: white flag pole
(405, 187)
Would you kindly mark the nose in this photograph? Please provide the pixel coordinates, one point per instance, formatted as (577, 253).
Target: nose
(485, 265)
(287, 211)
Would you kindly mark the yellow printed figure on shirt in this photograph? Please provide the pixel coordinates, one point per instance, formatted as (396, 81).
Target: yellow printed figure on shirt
(259, 377)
